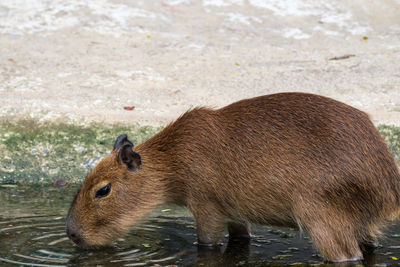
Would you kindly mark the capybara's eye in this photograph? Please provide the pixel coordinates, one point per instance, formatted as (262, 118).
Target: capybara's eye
(104, 191)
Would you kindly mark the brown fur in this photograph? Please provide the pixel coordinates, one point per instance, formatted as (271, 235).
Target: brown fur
(288, 159)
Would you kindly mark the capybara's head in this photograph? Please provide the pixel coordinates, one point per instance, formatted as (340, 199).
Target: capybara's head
(112, 198)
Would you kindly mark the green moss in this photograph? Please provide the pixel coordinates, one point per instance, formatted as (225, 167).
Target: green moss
(34, 152)
(391, 134)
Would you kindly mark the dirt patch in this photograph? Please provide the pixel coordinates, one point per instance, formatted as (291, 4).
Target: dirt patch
(82, 60)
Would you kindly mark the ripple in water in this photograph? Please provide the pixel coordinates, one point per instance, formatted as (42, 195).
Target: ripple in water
(161, 241)
(41, 241)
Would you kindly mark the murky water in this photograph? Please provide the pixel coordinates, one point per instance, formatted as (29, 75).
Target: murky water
(32, 233)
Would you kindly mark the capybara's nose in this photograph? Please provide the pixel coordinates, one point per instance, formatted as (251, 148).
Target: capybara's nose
(73, 235)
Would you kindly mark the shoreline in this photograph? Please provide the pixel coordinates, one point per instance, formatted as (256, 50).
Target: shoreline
(47, 153)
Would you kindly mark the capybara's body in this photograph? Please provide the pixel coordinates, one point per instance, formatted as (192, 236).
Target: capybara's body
(289, 159)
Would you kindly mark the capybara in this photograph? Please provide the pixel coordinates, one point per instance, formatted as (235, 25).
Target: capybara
(287, 159)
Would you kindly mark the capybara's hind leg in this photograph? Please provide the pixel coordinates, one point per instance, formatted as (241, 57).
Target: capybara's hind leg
(238, 230)
(335, 244)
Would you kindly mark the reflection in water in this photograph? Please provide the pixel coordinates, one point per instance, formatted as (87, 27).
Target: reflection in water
(237, 252)
(166, 238)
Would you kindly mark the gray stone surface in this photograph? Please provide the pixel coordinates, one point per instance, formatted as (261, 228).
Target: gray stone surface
(88, 59)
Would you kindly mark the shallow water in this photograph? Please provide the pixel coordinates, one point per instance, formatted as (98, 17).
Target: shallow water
(32, 233)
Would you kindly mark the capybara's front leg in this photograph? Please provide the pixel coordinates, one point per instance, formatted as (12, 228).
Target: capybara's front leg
(210, 224)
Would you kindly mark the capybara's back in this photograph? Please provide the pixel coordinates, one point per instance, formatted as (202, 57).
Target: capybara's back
(289, 159)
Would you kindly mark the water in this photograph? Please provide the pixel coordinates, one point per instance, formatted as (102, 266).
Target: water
(32, 233)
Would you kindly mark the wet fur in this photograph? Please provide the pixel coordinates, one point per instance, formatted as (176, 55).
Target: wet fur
(288, 159)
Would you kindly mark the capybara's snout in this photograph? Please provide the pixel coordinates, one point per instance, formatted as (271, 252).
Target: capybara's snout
(73, 232)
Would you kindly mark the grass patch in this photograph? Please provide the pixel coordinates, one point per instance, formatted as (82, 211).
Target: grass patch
(32, 152)
(391, 134)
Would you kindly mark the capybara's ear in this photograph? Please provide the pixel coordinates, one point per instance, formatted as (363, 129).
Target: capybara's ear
(121, 140)
(129, 158)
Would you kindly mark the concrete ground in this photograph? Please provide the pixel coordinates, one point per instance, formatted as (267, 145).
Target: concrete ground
(88, 59)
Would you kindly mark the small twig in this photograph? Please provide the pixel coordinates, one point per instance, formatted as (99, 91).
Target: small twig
(343, 57)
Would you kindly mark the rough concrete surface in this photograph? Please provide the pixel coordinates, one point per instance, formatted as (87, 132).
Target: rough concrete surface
(86, 60)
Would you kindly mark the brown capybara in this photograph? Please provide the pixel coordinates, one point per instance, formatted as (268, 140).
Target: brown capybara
(287, 159)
